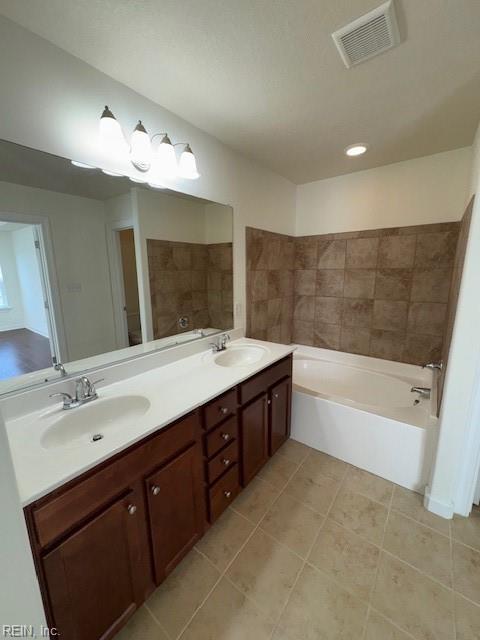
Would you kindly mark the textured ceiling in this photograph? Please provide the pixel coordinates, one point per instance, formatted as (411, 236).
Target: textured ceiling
(264, 76)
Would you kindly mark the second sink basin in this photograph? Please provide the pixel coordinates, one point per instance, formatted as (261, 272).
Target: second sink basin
(241, 355)
(92, 422)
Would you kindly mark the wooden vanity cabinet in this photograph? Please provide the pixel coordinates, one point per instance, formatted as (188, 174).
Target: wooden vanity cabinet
(104, 541)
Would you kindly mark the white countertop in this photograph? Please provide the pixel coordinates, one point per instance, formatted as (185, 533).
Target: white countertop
(173, 390)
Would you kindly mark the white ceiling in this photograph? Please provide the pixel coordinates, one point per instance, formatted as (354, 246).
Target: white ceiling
(264, 76)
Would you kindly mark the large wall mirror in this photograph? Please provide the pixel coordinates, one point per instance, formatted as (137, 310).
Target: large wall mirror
(96, 268)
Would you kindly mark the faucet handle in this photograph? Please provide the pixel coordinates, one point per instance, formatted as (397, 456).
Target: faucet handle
(67, 398)
(93, 385)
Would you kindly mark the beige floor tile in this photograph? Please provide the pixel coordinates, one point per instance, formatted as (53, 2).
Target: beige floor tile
(293, 524)
(318, 492)
(141, 626)
(320, 463)
(380, 629)
(467, 619)
(224, 539)
(360, 514)
(411, 504)
(278, 471)
(294, 451)
(466, 571)
(467, 530)
(265, 571)
(176, 599)
(280, 635)
(351, 560)
(369, 485)
(319, 609)
(420, 546)
(228, 615)
(416, 603)
(256, 499)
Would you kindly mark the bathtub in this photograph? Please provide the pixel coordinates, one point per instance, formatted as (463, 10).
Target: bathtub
(361, 410)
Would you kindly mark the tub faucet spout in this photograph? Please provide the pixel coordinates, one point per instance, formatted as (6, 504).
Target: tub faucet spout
(433, 365)
(424, 392)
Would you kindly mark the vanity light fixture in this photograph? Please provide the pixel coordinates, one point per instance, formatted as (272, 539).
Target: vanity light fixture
(187, 165)
(156, 185)
(159, 164)
(356, 149)
(112, 173)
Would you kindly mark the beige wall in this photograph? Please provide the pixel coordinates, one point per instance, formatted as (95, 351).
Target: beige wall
(421, 191)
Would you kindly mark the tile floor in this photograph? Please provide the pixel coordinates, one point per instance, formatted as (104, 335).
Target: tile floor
(315, 549)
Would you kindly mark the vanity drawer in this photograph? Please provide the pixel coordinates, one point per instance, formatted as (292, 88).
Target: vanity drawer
(260, 383)
(63, 510)
(220, 436)
(222, 461)
(218, 409)
(223, 493)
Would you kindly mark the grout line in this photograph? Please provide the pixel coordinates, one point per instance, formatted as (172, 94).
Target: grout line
(452, 579)
(392, 622)
(156, 620)
(444, 535)
(308, 555)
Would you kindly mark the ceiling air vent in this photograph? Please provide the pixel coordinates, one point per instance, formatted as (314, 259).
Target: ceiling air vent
(373, 33)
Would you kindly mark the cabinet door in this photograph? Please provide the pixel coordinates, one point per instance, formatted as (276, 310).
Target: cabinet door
(280, 397)
(176, 510)
(254, 421)
(90, 577)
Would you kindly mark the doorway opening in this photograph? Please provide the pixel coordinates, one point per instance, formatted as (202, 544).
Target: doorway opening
(27, 327)
(131, 303)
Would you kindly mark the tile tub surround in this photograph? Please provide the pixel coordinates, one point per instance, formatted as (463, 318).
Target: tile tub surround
(380, 293)
(193, 280)
(270, 264)
(317, 549)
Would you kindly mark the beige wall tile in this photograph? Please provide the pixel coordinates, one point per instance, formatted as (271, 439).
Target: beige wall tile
(355, 340)
(305, 253)
(305, 282)
(359, 283)
(422, 348)
(331, 254)
(304, 308)
(357, 313)
(388, 345)
(328, 310)
(326, 336)
(330, 282)
(303, 332)
(389, 315)
(393, 284)
(431, 285)
(396, 252)
(427, 318)
(362, 253)
(416, 603)
(436, 249)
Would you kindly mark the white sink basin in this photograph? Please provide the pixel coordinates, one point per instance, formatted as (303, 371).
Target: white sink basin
(94, 421)
(240, 356)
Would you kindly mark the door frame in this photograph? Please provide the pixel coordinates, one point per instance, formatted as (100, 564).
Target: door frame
(48, 271)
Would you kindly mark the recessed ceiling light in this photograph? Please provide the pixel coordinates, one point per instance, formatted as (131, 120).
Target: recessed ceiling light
(356, 149)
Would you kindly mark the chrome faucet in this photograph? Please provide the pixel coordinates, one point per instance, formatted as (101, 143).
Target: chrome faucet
(433, 365)
(424, 392)
(220, 343)
(84, 392)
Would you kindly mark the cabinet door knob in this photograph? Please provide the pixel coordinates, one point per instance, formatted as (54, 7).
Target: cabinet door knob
(223, 410)
(269, 401)
(226, 436)
(227, 494)
(155, 489)
(132, 509)
(226, 462)
(275, 395)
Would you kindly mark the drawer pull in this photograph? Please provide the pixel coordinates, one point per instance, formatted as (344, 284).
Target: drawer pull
(224, 410)
(155, 489)
(226, 436)
(226, 461)
(132, 509)
(227, 494)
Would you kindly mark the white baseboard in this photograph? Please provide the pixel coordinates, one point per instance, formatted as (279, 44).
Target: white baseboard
(438, 507)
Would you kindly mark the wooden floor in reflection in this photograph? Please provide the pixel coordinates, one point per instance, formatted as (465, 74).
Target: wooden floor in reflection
(23, 351)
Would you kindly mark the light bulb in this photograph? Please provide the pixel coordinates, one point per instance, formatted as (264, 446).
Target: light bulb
(111, 136)
(140, 148)
(356, 149)
(165, 160)
(187, 166)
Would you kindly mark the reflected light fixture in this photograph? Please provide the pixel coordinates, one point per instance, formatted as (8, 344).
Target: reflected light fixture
(187, 165)
(82, 165)
(140, 148)
(356, 149)
(157, 165)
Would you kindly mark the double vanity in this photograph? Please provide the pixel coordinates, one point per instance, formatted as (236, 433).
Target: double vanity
(117, 491)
